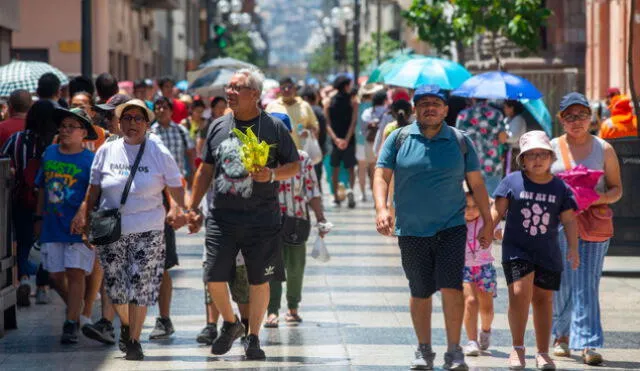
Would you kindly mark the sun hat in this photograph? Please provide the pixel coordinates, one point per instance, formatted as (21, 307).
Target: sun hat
(79, 115)
(429, 91)
(136, 103)
(370, 89)
(535, 139)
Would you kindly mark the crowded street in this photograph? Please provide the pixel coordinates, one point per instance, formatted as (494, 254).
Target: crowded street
(355, 317)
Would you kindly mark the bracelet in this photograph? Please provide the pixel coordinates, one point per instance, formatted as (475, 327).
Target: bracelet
(273, 176)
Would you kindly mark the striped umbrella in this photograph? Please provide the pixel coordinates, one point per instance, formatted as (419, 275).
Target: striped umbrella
(25, 75)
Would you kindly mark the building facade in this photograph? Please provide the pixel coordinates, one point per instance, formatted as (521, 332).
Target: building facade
(9, 22)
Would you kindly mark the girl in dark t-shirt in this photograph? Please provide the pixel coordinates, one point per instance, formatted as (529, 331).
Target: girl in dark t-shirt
(535, 202)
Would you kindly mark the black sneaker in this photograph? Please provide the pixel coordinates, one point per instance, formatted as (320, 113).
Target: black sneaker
(351, 200)
(69, 332)
(252, 348)
(101, 331)
(23, 294)
(208, 334)
(228, 334)
(134, 351)
(162, 330)
(125, 338)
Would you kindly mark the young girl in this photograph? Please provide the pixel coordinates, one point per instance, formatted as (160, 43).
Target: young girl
(479, 285)
(535, 202)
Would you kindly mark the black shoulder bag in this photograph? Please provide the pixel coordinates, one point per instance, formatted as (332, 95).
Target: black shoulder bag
(295, 231)
(106, 224)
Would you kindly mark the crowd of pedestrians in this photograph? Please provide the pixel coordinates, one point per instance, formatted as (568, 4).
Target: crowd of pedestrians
(159, 160)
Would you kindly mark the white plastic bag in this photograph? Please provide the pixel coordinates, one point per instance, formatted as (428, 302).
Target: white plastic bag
(312, 147)
(320, 251)
(34, 254)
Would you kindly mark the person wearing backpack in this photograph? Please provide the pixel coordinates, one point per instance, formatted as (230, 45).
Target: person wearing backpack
(25, 149)
(430, 160)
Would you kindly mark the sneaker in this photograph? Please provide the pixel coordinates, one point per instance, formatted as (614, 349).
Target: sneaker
(125, 338)
(472, 349)
(252, 349)
(134, 351)
(101, 331)
(228, 334)
(351, 199)
(423, 359)
(69, 332)
(455, 360)
(84, 321)
(162, 330)
(544, 362)
(516, 359)
(591, 357)
(42, 296)
(23, 294)
(208, 334)
(485, 340)
(561, 349)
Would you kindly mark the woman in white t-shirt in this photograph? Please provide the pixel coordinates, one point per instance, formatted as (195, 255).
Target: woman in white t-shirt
(133, 266)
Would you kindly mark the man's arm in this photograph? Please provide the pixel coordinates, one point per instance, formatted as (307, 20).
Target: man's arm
(201, 183)
(381, 181)
(354, 119)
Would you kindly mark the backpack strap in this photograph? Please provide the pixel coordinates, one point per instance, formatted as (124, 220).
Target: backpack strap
(403, 134)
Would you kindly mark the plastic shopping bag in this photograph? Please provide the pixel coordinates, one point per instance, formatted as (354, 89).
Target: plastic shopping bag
(312, 147)
(320, 251)
(34, 254)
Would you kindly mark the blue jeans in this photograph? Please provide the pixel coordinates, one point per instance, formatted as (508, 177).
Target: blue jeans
(576, 306)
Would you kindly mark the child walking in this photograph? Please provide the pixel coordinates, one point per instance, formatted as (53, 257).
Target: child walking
(63, 181)
(479, 284)
(535, 202)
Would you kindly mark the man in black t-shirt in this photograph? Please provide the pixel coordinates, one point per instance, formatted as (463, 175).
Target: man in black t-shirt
(342, 115)
(244, 213)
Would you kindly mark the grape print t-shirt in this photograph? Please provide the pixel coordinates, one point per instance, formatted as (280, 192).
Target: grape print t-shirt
(531, 231)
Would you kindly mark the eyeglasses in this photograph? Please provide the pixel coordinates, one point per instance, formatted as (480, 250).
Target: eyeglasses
(128, 118)
(235, 88)
(534, 155)
(574, 118)
(69, 127)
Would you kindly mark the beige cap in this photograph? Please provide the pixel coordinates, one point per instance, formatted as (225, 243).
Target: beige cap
(535, 139)
(136, 103)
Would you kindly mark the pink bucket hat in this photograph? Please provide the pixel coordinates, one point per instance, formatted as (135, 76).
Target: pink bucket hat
(535, 139)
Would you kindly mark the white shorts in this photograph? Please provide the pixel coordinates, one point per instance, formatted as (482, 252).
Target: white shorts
(364, 152)
(58, 256)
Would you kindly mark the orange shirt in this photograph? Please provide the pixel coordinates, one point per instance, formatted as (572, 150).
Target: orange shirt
(622, 122)
(93, 145)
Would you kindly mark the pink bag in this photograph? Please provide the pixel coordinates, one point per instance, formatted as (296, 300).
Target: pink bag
(582, 182)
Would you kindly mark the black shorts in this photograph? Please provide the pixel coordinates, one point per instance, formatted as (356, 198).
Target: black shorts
(171, 259)
(543, 278)
(346, 157)
(259, 246)
(434, 263)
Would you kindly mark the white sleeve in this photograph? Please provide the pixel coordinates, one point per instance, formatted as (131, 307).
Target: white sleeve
(95, 177)
(168, 167)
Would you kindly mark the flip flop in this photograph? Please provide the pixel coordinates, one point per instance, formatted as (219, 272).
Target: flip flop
(272, 321)
(293, 319)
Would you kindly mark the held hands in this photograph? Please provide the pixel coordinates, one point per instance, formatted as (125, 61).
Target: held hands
(176, 218)
(384, 222)
(574, 258)
(263, 175)
(485, 236)
(341, 143)
(194, 221)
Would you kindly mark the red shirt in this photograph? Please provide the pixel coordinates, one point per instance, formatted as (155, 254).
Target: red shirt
(180, 111)
(10, 126)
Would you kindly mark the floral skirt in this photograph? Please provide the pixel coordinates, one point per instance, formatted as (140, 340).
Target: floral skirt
(133, 268)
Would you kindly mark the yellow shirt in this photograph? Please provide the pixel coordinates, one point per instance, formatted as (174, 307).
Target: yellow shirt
(299, 112)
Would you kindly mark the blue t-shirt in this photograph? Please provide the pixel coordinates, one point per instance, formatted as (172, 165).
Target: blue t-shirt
(64, 179)
(428, 175)
(533, 216)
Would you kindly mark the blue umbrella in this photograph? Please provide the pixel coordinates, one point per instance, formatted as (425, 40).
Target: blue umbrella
(540, 113)
(427, 71)
(182, 85)
(497, 85)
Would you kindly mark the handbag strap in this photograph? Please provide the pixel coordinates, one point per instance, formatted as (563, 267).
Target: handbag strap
(132, 173)
(564, 152)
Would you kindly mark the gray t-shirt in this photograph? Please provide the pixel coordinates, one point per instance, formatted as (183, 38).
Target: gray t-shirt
(236, 198)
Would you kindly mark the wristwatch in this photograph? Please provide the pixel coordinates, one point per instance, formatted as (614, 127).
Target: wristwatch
(273, 176)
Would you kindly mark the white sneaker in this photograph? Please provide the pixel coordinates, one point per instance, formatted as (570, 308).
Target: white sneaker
(561, 350)
(84, 321)
(485, 340)
(471, 349)
(423, 360)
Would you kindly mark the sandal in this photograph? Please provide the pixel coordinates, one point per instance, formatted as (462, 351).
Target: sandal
(272, 321)
(516, 359)
(292, 319)
(544, 362)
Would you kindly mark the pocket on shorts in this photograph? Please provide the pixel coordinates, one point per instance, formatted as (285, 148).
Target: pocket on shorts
(78, 255)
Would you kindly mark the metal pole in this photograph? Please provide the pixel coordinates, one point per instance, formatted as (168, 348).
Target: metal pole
(379, 31)
(87, 55)
(211, 16)
(169, 57)
(356, 41)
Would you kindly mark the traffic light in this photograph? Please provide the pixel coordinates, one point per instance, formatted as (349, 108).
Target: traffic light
(220, 36)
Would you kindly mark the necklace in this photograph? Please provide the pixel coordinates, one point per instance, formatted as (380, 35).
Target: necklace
(259, 123)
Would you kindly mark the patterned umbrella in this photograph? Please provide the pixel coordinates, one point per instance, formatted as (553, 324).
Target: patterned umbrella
(25, 75)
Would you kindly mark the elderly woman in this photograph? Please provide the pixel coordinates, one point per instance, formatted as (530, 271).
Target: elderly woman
(133, 265)
(576, 310)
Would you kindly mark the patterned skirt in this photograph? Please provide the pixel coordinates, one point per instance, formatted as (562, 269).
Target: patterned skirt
(133, 268)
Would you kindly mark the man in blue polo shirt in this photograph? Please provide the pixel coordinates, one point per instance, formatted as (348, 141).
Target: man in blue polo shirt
(430, 162)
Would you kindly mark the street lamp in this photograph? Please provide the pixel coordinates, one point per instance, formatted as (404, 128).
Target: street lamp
(342, 18)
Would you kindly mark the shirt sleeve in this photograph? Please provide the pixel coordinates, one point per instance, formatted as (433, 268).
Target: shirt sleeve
(286, 149)
(215, 135)
(388, 152)
(169, 168)
(95, 176)
(504, 188)
(471, 159)
(313, 120)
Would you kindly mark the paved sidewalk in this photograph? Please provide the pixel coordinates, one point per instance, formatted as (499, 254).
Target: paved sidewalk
(355, 310)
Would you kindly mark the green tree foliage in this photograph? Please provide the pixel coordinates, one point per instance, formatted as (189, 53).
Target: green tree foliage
(441, 22)
(239, 46)
(321, 61)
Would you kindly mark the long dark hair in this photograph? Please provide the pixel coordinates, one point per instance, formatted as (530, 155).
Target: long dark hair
(39, 124)
(402, 111)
